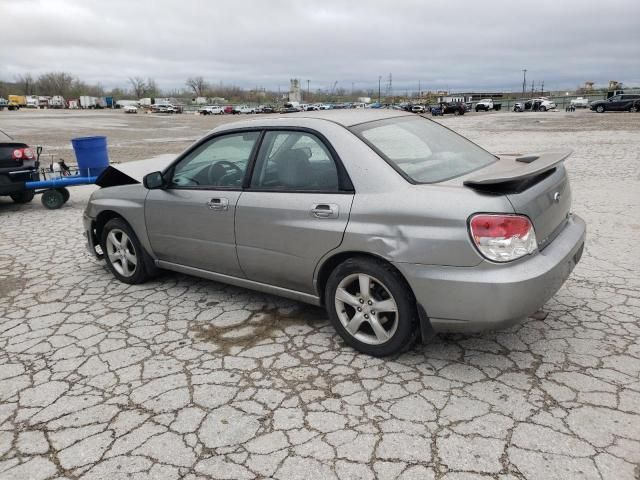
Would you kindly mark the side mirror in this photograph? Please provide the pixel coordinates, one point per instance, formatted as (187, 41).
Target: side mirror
(153, 180)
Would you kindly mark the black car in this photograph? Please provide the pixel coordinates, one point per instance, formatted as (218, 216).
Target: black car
(18, 164)
(453, 107)
(618, 103)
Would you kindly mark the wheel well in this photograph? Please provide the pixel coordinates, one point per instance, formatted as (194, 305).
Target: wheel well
(101, 221)
(331, 263)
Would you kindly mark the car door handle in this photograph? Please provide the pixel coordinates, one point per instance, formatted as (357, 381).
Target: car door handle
(325, 210)
(218, 204)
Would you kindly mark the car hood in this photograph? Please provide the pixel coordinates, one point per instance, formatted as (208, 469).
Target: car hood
(133, 172)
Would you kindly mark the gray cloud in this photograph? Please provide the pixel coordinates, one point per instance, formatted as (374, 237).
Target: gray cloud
(442, 44)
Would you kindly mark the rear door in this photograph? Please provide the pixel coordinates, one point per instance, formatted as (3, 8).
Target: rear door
(295, 210)
(191, 222)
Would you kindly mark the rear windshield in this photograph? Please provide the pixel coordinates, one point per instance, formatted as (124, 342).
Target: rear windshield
(422, 150)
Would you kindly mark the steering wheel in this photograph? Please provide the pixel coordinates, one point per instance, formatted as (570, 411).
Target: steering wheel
(218, 171)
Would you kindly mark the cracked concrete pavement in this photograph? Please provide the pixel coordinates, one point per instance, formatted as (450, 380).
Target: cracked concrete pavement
(187, 378)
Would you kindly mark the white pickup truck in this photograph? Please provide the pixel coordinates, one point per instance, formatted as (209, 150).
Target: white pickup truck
(484, 105)
(580, 102)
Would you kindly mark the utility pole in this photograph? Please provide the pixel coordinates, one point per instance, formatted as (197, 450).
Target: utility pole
(542, 89)
(419, 90)
(524, 80)
(532, 90)
(379, 80)
(307, 90)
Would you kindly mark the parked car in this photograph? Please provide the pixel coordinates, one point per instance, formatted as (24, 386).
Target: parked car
(580, 102)
(484, 105)
(417, 109)
(265, 109)
(130, 109)
(618, 103)
(397, 225)
(289, 109)
(534, 105)
(18, 164)
(456, 108)
(238, 109)
(163, 108)
(228, 109)
(211, 110)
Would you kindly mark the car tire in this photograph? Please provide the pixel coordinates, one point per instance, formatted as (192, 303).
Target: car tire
(600, 109)
(634, 109)
(371, 333)
(52, 199)
(542, 108)
(123, 253)
(456, 112)
(23, 197)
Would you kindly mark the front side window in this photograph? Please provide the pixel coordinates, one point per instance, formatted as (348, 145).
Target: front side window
(220, 162)
(422, 150)
(294, 161)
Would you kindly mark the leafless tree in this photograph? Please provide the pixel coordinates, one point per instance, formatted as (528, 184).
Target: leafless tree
(138, 85)
(198, 85)
(26, 85)
(55, 83)
(151, 89)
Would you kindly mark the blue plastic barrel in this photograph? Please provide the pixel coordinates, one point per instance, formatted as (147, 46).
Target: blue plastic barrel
(91, 155)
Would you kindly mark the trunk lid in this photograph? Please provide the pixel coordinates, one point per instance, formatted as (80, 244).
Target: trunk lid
(536, 186)
(6, 150)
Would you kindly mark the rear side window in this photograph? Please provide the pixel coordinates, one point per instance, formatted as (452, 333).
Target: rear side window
(422, 150)
(294, 161)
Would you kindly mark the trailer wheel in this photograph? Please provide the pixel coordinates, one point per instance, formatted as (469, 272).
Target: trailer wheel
(23, 197)
(65, 193)
(52, 199)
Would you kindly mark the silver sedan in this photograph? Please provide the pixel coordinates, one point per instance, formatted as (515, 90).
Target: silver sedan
(398, 226)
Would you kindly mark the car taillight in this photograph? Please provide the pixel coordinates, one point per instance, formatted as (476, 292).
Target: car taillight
(503, 238)
(20, 153)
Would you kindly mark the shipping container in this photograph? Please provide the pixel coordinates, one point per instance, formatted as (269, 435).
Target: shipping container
(73, 104)
(87, 101)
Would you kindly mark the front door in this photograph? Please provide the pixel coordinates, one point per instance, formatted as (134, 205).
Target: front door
(294, 212)
(191, 222)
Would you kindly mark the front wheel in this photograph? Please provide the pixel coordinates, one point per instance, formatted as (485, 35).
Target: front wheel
(23, 197)
(543, 108)
(371, 307)
(600, 109)
(124, 254)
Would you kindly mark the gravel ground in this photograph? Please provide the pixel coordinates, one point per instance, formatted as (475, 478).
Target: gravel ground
(187, 378)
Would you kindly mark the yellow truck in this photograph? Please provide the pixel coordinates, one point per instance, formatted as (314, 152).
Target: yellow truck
(17, 101)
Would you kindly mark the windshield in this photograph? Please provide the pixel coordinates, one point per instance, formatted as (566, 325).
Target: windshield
(423, 150)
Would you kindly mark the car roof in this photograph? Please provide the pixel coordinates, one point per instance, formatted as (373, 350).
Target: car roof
(344, 117)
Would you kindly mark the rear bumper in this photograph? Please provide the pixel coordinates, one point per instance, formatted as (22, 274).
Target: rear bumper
(13, 181)
(488, 296)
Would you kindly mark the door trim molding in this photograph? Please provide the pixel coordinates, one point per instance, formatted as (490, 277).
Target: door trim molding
(241, 282)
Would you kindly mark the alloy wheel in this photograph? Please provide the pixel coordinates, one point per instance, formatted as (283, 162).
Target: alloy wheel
(121, 252)
(366, 308)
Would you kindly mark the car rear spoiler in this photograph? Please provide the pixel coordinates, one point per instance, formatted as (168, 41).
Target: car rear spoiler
(534, 165)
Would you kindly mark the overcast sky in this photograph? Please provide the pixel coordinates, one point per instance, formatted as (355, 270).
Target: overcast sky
(443, 44)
